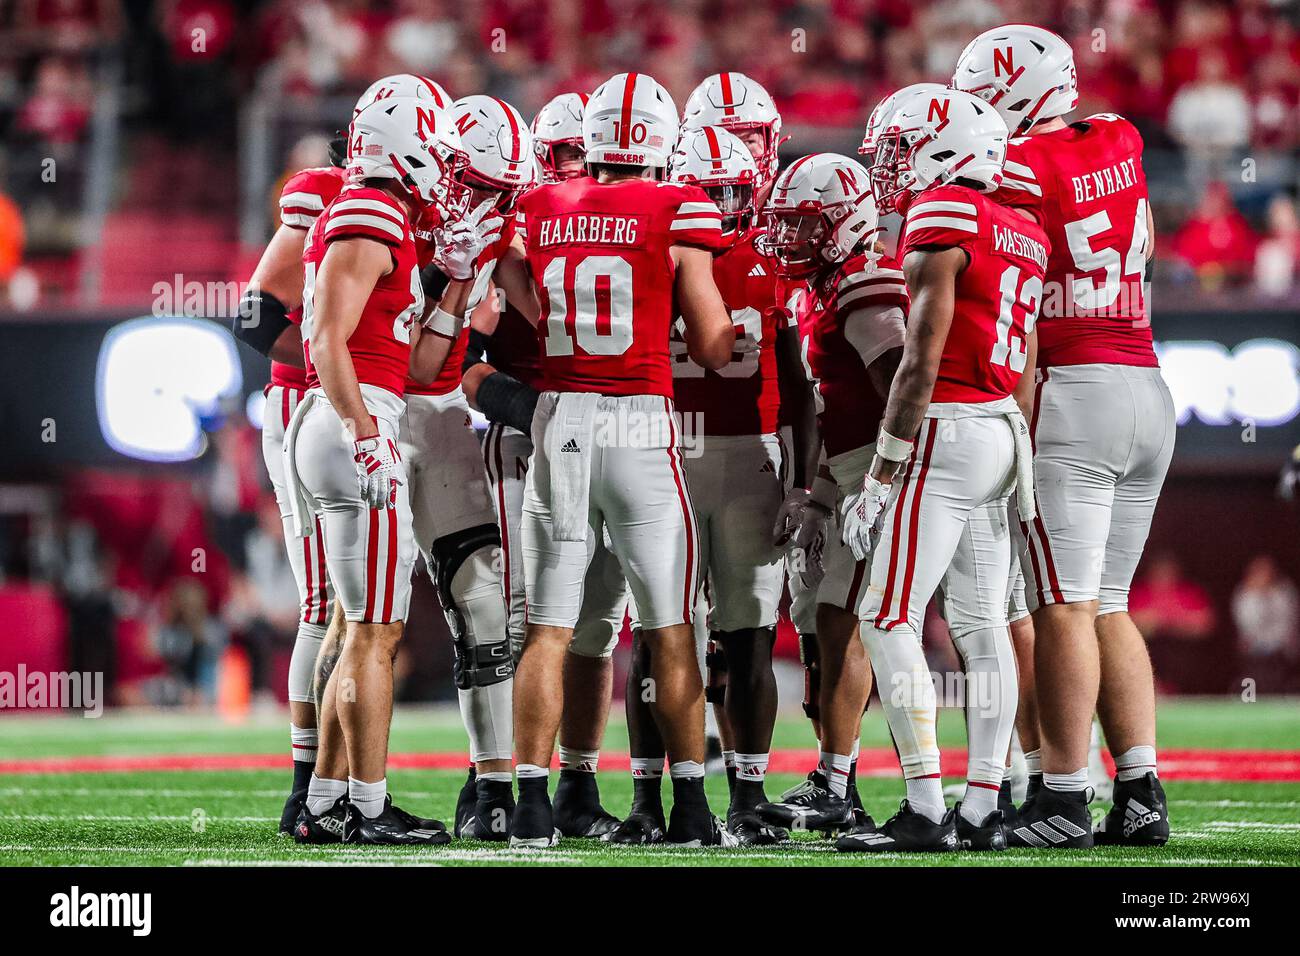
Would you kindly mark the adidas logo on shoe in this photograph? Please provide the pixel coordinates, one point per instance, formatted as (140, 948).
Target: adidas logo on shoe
(1053, 830)
(1137, 816)
(571, 446)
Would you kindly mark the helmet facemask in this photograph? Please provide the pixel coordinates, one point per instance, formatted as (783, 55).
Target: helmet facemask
(891, 168)
(793, 241)
(736, 203)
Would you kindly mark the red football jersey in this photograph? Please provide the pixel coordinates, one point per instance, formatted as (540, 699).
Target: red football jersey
(852, 317)
(998, 293)
(516, 349)
(380, 345)
(742, 397)
(600, 256)
(1087, 185)
(448, 379)
(305, 195)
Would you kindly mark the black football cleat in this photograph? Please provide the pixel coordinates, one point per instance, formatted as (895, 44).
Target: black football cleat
(989, 834)
(1006, 804)
(393, 827)
(465, 801)
(697, 827)
(749, 829)
(577, 808)
(810, 806)
(1139, 816)
(641, 828)
(291, 812)
(532, 825)
(312, 830)
(1053, 820)
(1033, 787)
(905, 832)
(490, 813)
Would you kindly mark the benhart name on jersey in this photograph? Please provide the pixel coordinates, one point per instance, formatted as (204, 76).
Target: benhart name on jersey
(598, 230)
(1103, 182)
(1017, 244)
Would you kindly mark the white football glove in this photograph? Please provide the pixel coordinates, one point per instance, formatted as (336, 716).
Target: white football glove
(808, 545)
(859, 515)
(459, 244)
(379, 471)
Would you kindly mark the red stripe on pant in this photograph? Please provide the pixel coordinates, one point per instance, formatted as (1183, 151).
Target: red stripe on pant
(899, 507)
(688, 519)
(390, 574)
(372, 564)
(914, 525)
(321, 579)
(311, 589)
(1039, 529)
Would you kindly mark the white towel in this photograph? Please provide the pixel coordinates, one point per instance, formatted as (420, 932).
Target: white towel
(568, 438)
(301, 503)
(1025, 503)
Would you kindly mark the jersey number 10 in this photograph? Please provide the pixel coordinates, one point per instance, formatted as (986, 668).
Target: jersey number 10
(581, 303)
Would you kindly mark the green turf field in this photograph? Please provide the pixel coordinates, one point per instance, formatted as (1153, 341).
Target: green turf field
(228, 817)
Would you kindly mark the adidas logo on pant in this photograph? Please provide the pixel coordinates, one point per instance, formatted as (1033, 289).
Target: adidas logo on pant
(571, 446)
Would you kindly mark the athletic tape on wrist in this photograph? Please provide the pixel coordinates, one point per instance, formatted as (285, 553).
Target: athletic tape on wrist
(444, 323)
(892, 449)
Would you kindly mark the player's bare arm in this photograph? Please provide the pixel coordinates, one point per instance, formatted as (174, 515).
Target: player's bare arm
(512, 278)
(278, 275)
(347, 277)
(431, 344)
(932, 280)
(1024, 393)
(710, 336)
(797, 396)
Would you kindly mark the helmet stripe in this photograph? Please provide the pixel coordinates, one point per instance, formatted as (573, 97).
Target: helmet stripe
(715, 150)
(515, 157)
(433, 91)
(728, 106)
(625, 124)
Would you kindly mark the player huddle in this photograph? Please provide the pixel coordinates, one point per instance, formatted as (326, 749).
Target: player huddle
(877, 413)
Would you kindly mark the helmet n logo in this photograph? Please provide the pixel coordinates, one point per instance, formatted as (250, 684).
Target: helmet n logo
(939, 109)
(425, 119)
(1002, 61)
(848, 181)
(465, 122)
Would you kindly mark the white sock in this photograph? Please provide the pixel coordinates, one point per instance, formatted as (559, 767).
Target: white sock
(992, 696)
(647, 766)
(978, 801)
(368, 797)
(1033, 762)
(583, 760)
(496, 776)
(303, 742)
(322, 793)
(857, 748)
(752, 767)
(729, 759)
(925, 795)
(1135, 763)
(837, 773)
(530, 771)
(685, 769)
(1066, 781)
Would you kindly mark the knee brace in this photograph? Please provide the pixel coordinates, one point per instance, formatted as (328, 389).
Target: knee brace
(810, 658)
(474, 604)
(715, 664)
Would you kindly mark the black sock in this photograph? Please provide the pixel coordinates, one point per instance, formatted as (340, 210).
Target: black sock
(854, 797)
(534, 787)
(688, 792)
(747, 795)
(731, 781)
(647, 795)
(302, 771)
(578, 785)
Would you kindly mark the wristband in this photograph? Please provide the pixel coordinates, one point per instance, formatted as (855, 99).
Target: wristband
(873, 487)
(441, 322)
(892, 449)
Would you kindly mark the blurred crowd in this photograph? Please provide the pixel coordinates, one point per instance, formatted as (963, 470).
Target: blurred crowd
(1213, 85)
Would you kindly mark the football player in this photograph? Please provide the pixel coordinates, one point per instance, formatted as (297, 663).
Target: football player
(454, 521)
(735, 478)
(822, 232)
(616, 256)
(362, 299)
(1104, 427)
(952, 443)
(502, 378)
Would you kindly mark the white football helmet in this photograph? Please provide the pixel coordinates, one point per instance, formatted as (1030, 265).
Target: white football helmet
(558, 123)
(721, 165)
(820, 213)
(739, 105)
(404, 84)
(499, 146)
(630, 121)
(416, 143)
(1025, 73)
(936, 137)
(883, 111)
